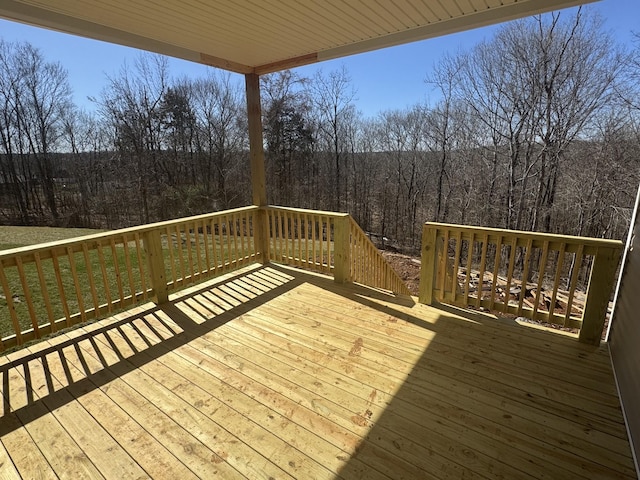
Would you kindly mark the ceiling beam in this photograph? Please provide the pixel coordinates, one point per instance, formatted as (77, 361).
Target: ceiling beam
(225, 64)
(286, 64)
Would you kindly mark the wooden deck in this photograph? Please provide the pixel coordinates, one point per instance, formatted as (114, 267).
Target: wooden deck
(276, 373)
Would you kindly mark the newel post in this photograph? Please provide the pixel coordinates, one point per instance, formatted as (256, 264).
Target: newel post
(155, 261)
(341, 249)
(428, 262)
(601, 283)
(262, 234)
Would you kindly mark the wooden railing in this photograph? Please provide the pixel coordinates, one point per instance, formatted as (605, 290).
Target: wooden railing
(368, 266)
(52, 286)
(207, 245)
(330, 243)
(56, 285)
(303, 238)
(533, 275)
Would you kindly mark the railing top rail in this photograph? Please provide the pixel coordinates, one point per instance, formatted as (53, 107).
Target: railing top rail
(308, 211)
(554, 237)
(41, 247)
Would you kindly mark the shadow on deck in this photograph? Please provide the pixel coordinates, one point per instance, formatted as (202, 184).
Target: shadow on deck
(276, 373)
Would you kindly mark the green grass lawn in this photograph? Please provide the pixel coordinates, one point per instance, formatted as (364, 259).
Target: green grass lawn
(12, 237)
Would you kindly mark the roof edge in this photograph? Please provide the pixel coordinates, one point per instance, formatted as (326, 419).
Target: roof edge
(480, 19)
(38, 16)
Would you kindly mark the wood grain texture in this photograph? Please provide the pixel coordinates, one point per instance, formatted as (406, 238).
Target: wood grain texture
(275, 372)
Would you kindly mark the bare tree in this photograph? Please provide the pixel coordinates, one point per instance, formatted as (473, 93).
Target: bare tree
(366, 171)
(131, 102)
(85, 144)
(333, 97)
(498, 94)
(573, 66)
(35, 97)
(221, 125)
(443, 125)
(289, 137)
(402, 137)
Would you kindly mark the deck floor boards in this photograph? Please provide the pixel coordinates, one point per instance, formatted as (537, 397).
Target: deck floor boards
(271, 372)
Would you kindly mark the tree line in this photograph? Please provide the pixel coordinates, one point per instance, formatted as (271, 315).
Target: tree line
(536, 128)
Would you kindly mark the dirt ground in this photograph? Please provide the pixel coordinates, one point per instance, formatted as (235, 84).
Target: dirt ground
(407, 267)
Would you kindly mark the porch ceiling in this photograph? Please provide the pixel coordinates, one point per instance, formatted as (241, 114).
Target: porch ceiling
(262, 36)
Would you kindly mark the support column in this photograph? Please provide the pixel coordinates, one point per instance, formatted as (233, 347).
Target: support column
(256, 145)
(258, 178)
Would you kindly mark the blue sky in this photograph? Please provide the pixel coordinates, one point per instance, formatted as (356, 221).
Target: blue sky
(385, 79)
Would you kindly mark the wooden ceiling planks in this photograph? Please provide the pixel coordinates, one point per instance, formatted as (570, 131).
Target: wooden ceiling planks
(261, 36)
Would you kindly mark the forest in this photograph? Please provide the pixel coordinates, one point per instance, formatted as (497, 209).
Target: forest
(536, 128)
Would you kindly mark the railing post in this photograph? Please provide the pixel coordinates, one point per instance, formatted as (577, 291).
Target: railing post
(155, 261)
(429, 256)
(341, 251)
(261, 234)
(601, 283)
